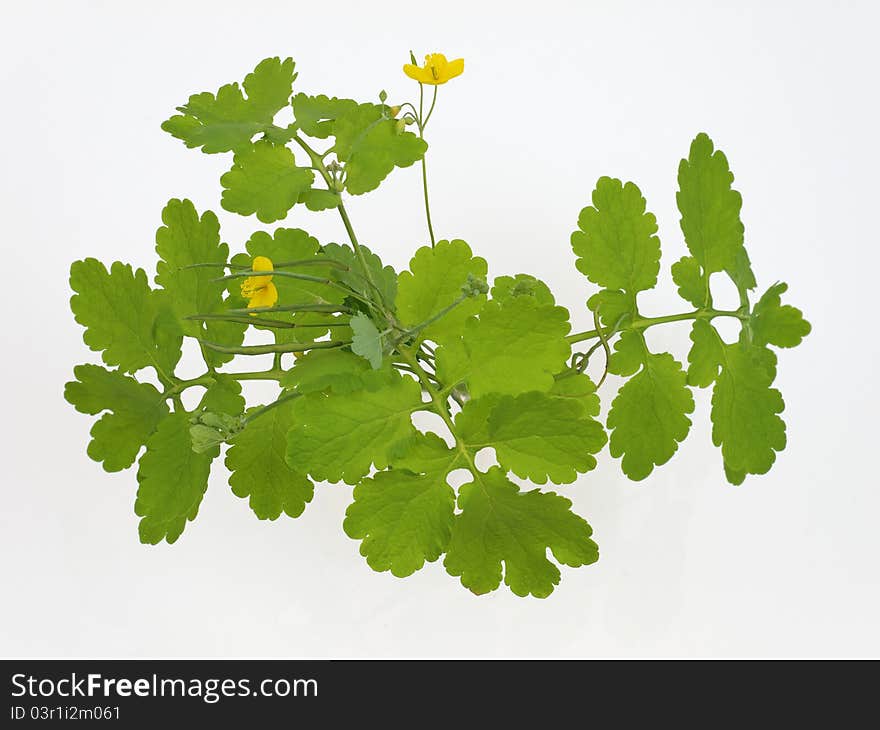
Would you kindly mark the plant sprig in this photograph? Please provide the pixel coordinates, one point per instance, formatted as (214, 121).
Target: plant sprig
(369, 347)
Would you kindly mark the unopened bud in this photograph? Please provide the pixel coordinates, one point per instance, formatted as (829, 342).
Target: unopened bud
(394, 110)
(383, 96)
(474, 286)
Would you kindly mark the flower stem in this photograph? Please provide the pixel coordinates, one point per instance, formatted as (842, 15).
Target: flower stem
(423, 122)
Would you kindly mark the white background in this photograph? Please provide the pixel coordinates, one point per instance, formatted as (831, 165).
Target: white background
(554, 95)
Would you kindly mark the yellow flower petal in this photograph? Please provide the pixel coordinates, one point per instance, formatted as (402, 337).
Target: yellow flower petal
(262, 263)
(455, 68)
(423, 76)
(437, 70)
(255, 286)
(265, 296)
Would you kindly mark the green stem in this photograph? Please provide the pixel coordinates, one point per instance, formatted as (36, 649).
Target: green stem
(315, 261)
(261, 321)
(265, 409)
(604, 342)
(325, 308)
(209, 379)
(300, 277)
(431, 110)
(642, 323)
(434, 317)
(266, 349)
(422, 124)
(349, 229)
(318, 163)
(440, 407)
(427, 203)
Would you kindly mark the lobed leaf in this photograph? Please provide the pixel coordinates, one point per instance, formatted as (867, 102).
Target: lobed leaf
(774, 323)
(706, 354)
(404, 520)
(501, 526)
(134, 411)
(535, 435)
(186, 239)
(616, 243)
(172, 479)
(369, 144)
(433, 282)
(259, 470)
(710, 207)
(512, 347)
(227, 121)
(648, 418)
(265, 180)
(338, 438)
(745, 408)
(123, 317)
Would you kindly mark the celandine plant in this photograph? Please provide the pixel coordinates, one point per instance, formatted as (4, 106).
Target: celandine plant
(371, 347)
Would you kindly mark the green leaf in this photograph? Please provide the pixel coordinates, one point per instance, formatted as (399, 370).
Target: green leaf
(513, 347)
(774, 323)
(223, 396)
(227, 122)
(744, 411)
(580, 389)
(741, 272)
(269, 87)
(705, 356)
(187, 239)
(648, 418)
(688, 277)
(499, 525)
(317, 199)
(259, 470)
(434, 282)
(135, 409)
(616, 245)
(124, 317)
(315, 115)
(628, 355)
(540, 437)
(338, 437)
(367, 341)
(332, 371)
(371, 147)
(709, 207)
(426, 453)
(265, 180)
(172, 479)
(404, 520)
(612, 306)
(521, 285)
(385, 277)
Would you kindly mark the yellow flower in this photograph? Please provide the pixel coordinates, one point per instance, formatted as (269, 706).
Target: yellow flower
(259, 290)
(437, 70)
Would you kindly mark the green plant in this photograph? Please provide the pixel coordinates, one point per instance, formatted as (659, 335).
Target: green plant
(372, 347)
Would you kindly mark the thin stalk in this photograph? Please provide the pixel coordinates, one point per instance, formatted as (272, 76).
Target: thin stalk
(299, 277)
(325, 308)
(642, 323)
(266, 349)
(263, 410)
(318, 162)
(434, 317)
(440, 407)
(260, 321)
